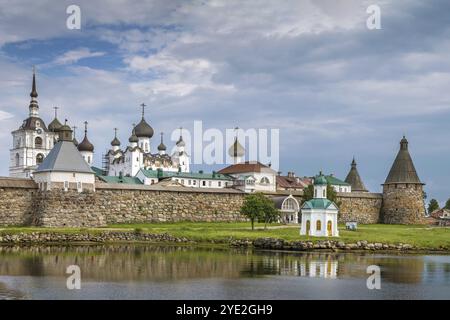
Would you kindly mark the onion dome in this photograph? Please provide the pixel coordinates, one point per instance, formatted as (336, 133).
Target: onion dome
(65, 132)
(55, 125)
(162, 146)
(143, 129)
(133, 138)
(115, 142)
(86, 145)
(320, 180)
(180, 142)
(236, 150)
(354, 179)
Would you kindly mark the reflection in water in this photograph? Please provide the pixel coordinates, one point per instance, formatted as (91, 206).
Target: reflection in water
(170, 266)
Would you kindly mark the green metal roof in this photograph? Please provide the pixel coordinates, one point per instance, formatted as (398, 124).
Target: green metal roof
(185, 175)
(335, 181)
(317, 204)
(124, 180)
(98, 172)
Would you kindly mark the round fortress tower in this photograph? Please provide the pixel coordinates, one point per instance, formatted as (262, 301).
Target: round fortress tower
(403, 201)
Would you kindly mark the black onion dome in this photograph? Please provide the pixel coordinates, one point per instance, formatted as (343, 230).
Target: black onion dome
(86, 145)
(162, 147)
(115, 142)
(55, 125)
(133, 138)
(143, 130)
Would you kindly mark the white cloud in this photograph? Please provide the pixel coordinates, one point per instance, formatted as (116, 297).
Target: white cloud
(73, 56)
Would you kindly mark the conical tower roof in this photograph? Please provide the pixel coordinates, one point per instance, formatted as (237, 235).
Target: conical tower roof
(354, 179)
(403, 170)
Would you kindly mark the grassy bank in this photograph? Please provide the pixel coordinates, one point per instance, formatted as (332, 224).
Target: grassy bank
(421, 236)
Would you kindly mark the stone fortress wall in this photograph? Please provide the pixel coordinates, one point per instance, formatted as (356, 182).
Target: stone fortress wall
(22, 204)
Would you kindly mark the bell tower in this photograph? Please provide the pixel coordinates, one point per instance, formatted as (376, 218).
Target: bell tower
(31, 142)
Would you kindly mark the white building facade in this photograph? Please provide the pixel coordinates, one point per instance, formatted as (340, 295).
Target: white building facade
(319, 215)
(137, 154)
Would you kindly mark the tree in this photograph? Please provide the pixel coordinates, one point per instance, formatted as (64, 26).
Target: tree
(257, 207)
(434, 205)
(308, 194)
(447, 205)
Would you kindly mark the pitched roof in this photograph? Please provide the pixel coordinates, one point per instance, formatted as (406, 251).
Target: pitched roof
(244, 167)
(292, 182)
(335, 181)
(318, 204)
(354, 179)
(64, 157)
(403, 170)
(125, 180)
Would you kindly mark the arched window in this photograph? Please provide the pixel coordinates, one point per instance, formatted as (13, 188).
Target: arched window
(264, 180)
(318, 225)
(330, 228)
(39, 158)
(17, 159)
(308, 227)
(38, 142)
(89, 159)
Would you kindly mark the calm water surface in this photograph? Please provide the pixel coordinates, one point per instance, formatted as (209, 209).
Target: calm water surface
(170, 272)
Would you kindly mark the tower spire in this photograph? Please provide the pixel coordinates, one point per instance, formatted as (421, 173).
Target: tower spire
(34, 108)
(34, 93)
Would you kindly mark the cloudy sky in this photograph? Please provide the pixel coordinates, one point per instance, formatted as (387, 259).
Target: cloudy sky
(311, 69)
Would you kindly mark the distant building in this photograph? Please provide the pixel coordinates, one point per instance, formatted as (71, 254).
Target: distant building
(441, 217)
(288, 207)
(252, 176)
(319, 215)
(187, 179)
(137, 155)
(354, 179)
(64, 167)
(292, 182)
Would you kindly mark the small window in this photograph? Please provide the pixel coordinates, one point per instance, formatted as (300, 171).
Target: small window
(319, 225)
(39, 158)
(66, 185)
(265, 180)
(38, 123)
(219, 183)
(209, 183)
(38, 142)
(17, 159)
(194, 182)
(204, 183)
(189, 182)
(79, 186)
(324, 191)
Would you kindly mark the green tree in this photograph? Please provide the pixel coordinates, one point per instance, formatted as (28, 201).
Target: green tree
(434, 205)
(447, 205)
(258, 207)
(308, 194)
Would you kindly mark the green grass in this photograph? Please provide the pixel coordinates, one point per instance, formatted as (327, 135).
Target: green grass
(421, 236)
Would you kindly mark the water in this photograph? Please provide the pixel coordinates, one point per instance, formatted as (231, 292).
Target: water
(171, 272)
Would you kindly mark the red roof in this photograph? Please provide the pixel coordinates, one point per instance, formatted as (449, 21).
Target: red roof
(292, 182)
(243, 167)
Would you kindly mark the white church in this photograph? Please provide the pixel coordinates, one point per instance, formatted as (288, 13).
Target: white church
(138, 153)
